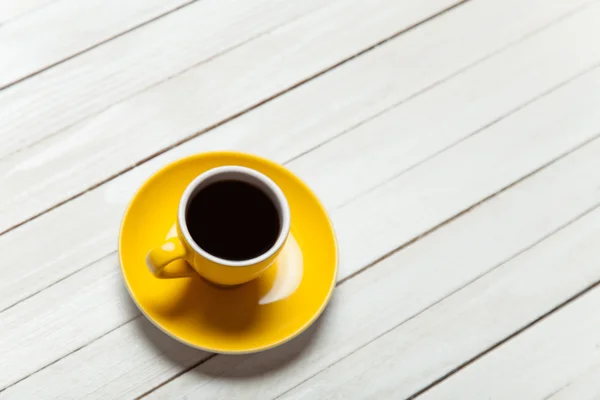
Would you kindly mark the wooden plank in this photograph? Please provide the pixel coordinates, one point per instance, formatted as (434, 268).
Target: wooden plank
(66, 28)
(408, 282)
(583, 387)
(558, 350)
(11, 9)
(434, 192)
(406, 135)
(531, 222)
(94, 150)
(80, 320)
(79, 242)
(75, 319)
(55, 99)
(467, 323)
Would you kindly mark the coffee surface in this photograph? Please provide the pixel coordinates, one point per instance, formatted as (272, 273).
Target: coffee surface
(233, 220)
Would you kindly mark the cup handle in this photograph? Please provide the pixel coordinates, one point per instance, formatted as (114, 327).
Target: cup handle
(171, 250)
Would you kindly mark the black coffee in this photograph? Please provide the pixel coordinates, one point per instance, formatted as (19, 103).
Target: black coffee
(233, 220)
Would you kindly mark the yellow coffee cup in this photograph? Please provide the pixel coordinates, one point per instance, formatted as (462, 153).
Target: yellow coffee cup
(231, 205)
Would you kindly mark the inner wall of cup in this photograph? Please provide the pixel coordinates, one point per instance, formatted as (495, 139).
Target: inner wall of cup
(247, 178)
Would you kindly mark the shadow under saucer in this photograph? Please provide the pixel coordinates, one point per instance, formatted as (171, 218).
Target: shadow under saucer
(224, 366)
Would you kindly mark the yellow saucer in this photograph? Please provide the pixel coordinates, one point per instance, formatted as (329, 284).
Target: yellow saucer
(255, 316)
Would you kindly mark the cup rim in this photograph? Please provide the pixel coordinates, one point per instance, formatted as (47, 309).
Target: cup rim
(272, 186)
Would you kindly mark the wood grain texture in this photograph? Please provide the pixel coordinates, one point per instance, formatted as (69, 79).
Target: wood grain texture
(442, 115)
(584, 386)
(66, 317)
(65, 28)
(523, 142)
(78, 88)
(250, 134)
(96, 149)
(438, 190)
(79, 242)
(541, 362)
(470, 321)
(408, 282)
(10, 9)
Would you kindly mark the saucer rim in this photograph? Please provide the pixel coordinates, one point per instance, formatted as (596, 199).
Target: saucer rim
(275, 165)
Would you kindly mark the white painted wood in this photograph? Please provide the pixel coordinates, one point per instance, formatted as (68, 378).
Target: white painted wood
(55, 99)
(568, 198)
(11, 9)
(86, 317)
(400, 287)
(467, 323)
(146, 353)
(66, 316)
(538, 363)
(96, 149)
(76, 312)
(584, 387)
(64, 28)
(452, 110)
(78, 242)
(61, 319)
(475, 169)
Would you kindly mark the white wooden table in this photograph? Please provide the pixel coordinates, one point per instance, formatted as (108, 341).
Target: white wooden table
(456, 145)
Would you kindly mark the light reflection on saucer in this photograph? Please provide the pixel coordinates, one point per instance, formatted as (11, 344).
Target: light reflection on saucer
(172, 232)
(290, 266)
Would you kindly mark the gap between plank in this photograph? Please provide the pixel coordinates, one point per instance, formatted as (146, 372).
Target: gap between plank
(58, 281)
(168, 78)
(390, 253)
(409, 168)
(177, 375)
(71, 352)
(363, 269)
(478, 130)
(445, 78)
(539, 319)
(529, 247)
(458, 215)
(425, 234)
(100, 43)
(244, 42)
(393, 251)
(236, 115)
